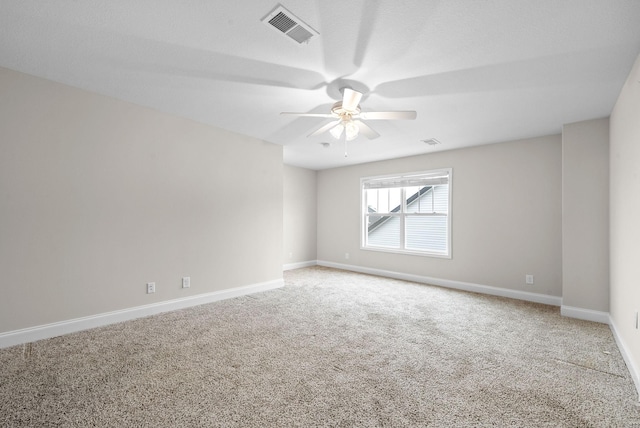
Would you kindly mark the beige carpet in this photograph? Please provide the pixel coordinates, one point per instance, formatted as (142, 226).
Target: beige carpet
(332, 348)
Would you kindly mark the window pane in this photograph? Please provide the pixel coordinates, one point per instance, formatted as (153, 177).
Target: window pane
(383, 231)
(412, 193)
(441, 198)
(383, 200)
(372, 200)
(395, 199)
(420, 199)
(426, 233)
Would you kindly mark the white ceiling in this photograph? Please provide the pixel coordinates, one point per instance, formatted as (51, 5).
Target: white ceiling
(476, 71)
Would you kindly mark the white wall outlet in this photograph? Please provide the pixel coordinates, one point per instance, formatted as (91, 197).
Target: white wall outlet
(528, 279)
(186, 281)
(346, 256)
(151, 287)
(290, 255)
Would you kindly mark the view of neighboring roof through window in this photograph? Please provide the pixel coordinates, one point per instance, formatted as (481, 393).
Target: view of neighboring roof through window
(408, 213)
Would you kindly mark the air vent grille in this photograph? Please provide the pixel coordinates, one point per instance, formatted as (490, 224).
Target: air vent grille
(300, 34)
(282, 22)
(293, 27)
(431, 142)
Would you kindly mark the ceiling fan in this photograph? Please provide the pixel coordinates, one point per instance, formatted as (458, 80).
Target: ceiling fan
(348, 117)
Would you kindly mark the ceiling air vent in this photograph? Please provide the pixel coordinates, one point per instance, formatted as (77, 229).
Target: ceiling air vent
(431, 142)
(287, 23)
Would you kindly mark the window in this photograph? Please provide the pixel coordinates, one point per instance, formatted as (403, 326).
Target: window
(408, 213)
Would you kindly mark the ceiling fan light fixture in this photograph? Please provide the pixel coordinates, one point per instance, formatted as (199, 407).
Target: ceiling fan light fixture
(336, 131)
(351, 130)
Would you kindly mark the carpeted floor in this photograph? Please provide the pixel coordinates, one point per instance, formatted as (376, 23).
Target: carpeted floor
(331, 348)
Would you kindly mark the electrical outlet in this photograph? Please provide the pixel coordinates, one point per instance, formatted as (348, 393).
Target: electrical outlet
(186, 281)
(290, 255)
(528, 279)
(151, 287)
(346, 256)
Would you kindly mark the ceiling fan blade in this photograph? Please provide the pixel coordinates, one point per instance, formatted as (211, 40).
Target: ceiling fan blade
(308, 114)
(174, 60)
(366, 130)
(324, 128)
(350, 99)
(388, 115)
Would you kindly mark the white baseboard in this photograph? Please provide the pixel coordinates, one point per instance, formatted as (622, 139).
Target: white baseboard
(458, 285)
(46, 331)
(584, 314)
(298, 265)
(633, 369)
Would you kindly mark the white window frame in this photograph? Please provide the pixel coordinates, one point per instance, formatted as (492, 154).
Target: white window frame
(402, 214)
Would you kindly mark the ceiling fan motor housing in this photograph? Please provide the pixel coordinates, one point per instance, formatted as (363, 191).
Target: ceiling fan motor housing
(344, 113)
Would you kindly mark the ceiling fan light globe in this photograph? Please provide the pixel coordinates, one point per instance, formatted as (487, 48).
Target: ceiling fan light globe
(336, 131)
(351, 130)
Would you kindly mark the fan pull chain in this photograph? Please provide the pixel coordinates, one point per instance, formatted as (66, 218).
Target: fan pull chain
(345, 147)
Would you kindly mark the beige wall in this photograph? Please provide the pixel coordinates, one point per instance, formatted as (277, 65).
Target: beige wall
(99, 197)
(300, 209)
(585, 215)
(506, 215)
(625, 217)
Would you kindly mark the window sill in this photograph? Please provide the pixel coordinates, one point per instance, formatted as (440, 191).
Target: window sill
(407, 252)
